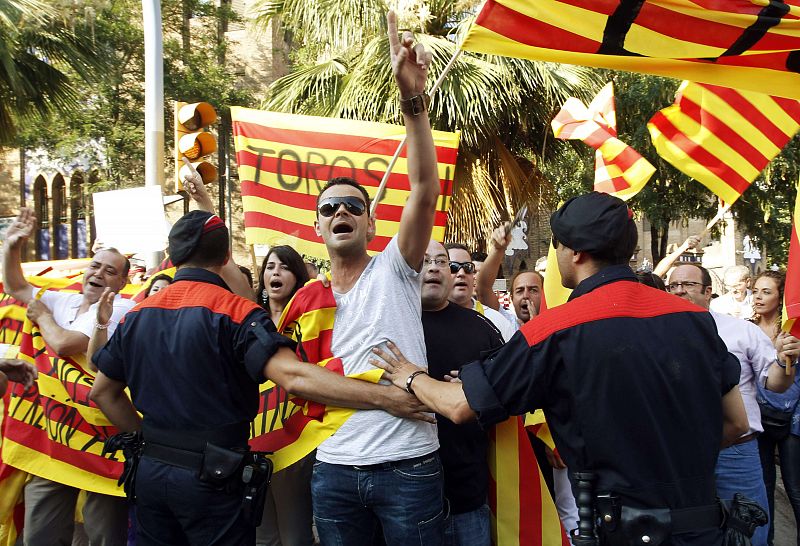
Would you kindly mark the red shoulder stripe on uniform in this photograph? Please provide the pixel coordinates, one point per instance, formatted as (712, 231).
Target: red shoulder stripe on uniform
(200, 294)
(623, 299)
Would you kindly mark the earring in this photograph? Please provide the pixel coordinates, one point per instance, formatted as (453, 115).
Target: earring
(264, 295)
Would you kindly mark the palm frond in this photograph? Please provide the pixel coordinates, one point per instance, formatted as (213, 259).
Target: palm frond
(312, 90)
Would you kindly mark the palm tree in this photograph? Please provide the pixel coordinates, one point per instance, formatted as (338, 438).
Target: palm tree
(502, 106)
(38, 52)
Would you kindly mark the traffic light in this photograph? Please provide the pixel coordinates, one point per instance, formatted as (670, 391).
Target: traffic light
(193, 141)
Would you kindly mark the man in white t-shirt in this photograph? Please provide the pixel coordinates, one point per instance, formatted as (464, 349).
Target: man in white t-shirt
(378, 471)
(66, 322)
(463, 270)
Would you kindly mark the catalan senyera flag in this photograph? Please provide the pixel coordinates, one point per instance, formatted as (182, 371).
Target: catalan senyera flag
(287, 425)
(722, 137)
(619, 169)
(284, 161)
(523, 512)
(743, 44)
(791, 291)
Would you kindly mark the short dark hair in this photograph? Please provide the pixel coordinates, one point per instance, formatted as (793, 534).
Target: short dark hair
(518, 273)
(705, 276)
(211, 249)
(159, 277)
(458, 246)
(247, 273)
(479, 256)
(650, 279)
(126, 266)
(293, 261)
(344, 181)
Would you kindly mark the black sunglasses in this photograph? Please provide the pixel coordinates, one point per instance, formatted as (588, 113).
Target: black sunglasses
(328, 206)
(468, 267)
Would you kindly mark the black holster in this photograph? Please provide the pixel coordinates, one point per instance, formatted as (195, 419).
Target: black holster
(256, 475)
(131, 444)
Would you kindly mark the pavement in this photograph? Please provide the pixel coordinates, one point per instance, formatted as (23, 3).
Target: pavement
(785, 526)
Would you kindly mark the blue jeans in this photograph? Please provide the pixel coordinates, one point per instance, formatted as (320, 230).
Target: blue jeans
(739, 471)
(405, 497)
(469, 528)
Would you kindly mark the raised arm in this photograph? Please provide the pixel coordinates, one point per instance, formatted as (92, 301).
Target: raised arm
(19, 231)
(105, 308)
(663, 266)
(499, 241)
(410, 67)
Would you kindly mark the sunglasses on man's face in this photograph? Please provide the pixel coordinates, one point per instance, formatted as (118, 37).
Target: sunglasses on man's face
(468, 267)
(328, 206)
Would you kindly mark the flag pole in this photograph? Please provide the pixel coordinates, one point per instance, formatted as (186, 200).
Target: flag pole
(722, 211)
(402, 143)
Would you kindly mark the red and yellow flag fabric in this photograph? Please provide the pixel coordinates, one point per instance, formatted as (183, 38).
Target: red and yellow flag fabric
(722, 137)
(744, 44)
(619, 169)
(287, 425)
(791, 291)
(523, 512)
(284, 161)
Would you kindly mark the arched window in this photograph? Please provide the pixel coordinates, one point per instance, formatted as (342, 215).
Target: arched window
(77, 205)
(60, 219)
(43, 217)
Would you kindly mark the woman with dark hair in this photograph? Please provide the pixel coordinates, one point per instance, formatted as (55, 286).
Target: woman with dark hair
(283, 272)
(780, 413)
(157, 283)
(287, 511)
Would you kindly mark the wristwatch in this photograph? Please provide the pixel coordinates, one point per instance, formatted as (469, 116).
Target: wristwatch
(415, 105)
(411, 377)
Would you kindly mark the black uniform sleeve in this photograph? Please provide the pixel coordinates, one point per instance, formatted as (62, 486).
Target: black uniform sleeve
(510, 381)
(256, 341)
(110, 359)
(731, 373)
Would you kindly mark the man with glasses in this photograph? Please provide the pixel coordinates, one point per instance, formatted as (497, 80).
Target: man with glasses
(637, 418)
(378, 471)
(454, 336)
(739, 466)
(463, 271)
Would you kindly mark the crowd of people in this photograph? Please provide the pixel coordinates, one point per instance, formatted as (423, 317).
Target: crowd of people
(661, 398)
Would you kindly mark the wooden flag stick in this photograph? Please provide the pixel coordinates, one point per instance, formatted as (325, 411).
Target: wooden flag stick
(402, 144)
(715, 219)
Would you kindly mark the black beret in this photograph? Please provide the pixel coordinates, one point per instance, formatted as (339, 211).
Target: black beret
(187, 232)
(594, 222)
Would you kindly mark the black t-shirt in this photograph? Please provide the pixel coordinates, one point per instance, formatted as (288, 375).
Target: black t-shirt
(453, 337)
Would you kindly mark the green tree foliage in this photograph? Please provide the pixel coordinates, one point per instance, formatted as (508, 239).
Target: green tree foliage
(111, 111)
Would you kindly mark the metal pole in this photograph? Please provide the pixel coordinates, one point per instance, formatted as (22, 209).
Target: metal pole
(153, 101)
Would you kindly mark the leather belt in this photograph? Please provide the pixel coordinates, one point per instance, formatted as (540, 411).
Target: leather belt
(696, 518)
(190, 460)
(746, 438)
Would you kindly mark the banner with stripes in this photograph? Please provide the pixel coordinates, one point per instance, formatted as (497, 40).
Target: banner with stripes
(619, 169)
(722, 137)
(284, 160)
(737, 43)
(791, 289)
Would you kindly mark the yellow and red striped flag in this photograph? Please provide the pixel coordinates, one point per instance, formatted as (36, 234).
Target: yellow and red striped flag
(284, 161)
(619, 169)
(737, 43)
(791, 290)
(722, 137)
(287, 425)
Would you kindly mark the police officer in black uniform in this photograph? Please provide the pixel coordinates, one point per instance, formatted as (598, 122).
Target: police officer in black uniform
(193, 356)
(638, 388)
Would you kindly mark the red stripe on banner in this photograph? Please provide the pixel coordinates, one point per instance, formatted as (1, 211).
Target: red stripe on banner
(725, 133)
(686, 27)
(530, 491)
(260, 219)
(334, 141)
(529, 31)
(391, 213)
(750, 112)
(38, 440)
(598, 137)
(302, 175)
(790, 106)
(700, 154)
